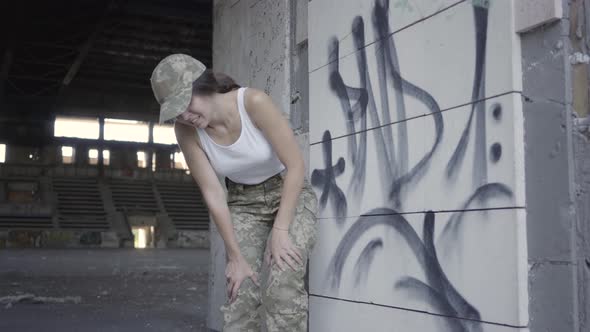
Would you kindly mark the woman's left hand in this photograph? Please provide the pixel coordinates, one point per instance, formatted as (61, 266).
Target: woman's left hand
(282, 251)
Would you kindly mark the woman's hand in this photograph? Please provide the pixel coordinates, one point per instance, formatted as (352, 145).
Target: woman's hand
(282, 251)
(236, 271)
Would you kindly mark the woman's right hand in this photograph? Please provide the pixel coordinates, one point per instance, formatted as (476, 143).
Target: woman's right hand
(236, 271)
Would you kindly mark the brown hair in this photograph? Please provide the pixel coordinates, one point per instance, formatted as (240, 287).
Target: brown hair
(212, 82)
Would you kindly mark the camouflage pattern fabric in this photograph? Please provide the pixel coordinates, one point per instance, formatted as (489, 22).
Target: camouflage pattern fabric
(281, 302)
(172, 84)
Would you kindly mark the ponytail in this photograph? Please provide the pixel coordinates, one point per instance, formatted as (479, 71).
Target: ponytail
(212, 82)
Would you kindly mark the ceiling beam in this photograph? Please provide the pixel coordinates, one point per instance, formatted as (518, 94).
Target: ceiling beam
(147, 54)
(202, 12)
(163, 45)
(6, 63)
(85, 49)
(158, 36)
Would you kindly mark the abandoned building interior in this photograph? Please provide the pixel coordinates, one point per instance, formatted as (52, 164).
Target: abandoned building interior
(83, 161)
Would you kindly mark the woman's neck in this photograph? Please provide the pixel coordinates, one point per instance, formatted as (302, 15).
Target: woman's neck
(225, 110)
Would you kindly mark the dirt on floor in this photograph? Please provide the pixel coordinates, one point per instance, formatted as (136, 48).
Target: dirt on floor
(103, 290)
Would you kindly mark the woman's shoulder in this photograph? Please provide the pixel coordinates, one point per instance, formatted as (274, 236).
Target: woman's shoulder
(254, 99)
(253, 93)
(256, 104)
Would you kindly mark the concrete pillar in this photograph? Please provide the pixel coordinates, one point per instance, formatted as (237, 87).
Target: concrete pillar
(254, 42)
(100, 145)
(150, 151)
(163, 159)
(555, 92)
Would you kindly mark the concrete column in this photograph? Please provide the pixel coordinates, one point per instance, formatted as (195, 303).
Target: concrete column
(557, 220)
(254, 42)
(100, 145)
(150, 150)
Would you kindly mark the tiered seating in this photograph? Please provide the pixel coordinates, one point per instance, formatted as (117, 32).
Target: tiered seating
(79, 203)
(25, 222)
(184, 204)
(134, 196)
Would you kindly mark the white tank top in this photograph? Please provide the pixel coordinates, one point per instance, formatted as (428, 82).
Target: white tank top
(250, 159)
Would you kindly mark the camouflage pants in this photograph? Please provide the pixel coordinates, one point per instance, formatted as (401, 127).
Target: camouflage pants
(280, 303)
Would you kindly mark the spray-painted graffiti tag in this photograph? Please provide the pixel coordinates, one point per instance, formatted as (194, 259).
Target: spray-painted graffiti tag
(363, 114)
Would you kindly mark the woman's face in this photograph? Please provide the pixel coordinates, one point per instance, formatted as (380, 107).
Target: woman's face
(197, 113)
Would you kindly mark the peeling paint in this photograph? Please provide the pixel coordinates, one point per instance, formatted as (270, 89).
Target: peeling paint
(578, 58)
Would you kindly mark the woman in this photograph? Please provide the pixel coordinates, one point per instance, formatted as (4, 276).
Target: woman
(268, 221)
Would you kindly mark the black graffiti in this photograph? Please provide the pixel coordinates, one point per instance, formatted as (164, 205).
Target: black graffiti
(497, 111)
(477, 94)
(482, 194)
(422, 291)
(387, 55)
(358, 103)
(441, 293)
(355, 101)
(326, 180)
(439, 289)
(361, 268)
(353, 112)
(496, 152)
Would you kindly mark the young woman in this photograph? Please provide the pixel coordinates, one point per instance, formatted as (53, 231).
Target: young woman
(268, 221)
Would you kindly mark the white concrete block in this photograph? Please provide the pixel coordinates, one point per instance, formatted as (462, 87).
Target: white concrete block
(327, 315)
(438, 71)
(407, 132)
(477, 269)
(334, 18)
(424, 170)
(529, 14)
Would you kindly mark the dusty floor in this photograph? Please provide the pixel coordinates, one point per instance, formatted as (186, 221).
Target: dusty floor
(103, 290)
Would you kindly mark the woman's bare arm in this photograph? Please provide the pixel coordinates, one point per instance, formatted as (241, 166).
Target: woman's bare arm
(277, 131)
(206, 179)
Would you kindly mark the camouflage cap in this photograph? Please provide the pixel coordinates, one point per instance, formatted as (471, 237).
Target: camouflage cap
(172, 82)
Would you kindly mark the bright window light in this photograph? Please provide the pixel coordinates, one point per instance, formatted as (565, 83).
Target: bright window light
(164, 134)
(141, 159)
(67, 154)
(2, 153)
(93, 153)
(179, 162)
(67, 151)
(76, 127)
(141, 238)
(93, 156)
(122, 121)
(106, 157)
(126, 130)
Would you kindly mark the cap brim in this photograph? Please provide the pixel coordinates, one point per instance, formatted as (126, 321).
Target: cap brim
(175, 105)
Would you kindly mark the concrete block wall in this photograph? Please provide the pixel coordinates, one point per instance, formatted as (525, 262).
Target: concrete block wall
(417, 155)
(449, 154)
(555, 90)
(250, 43)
